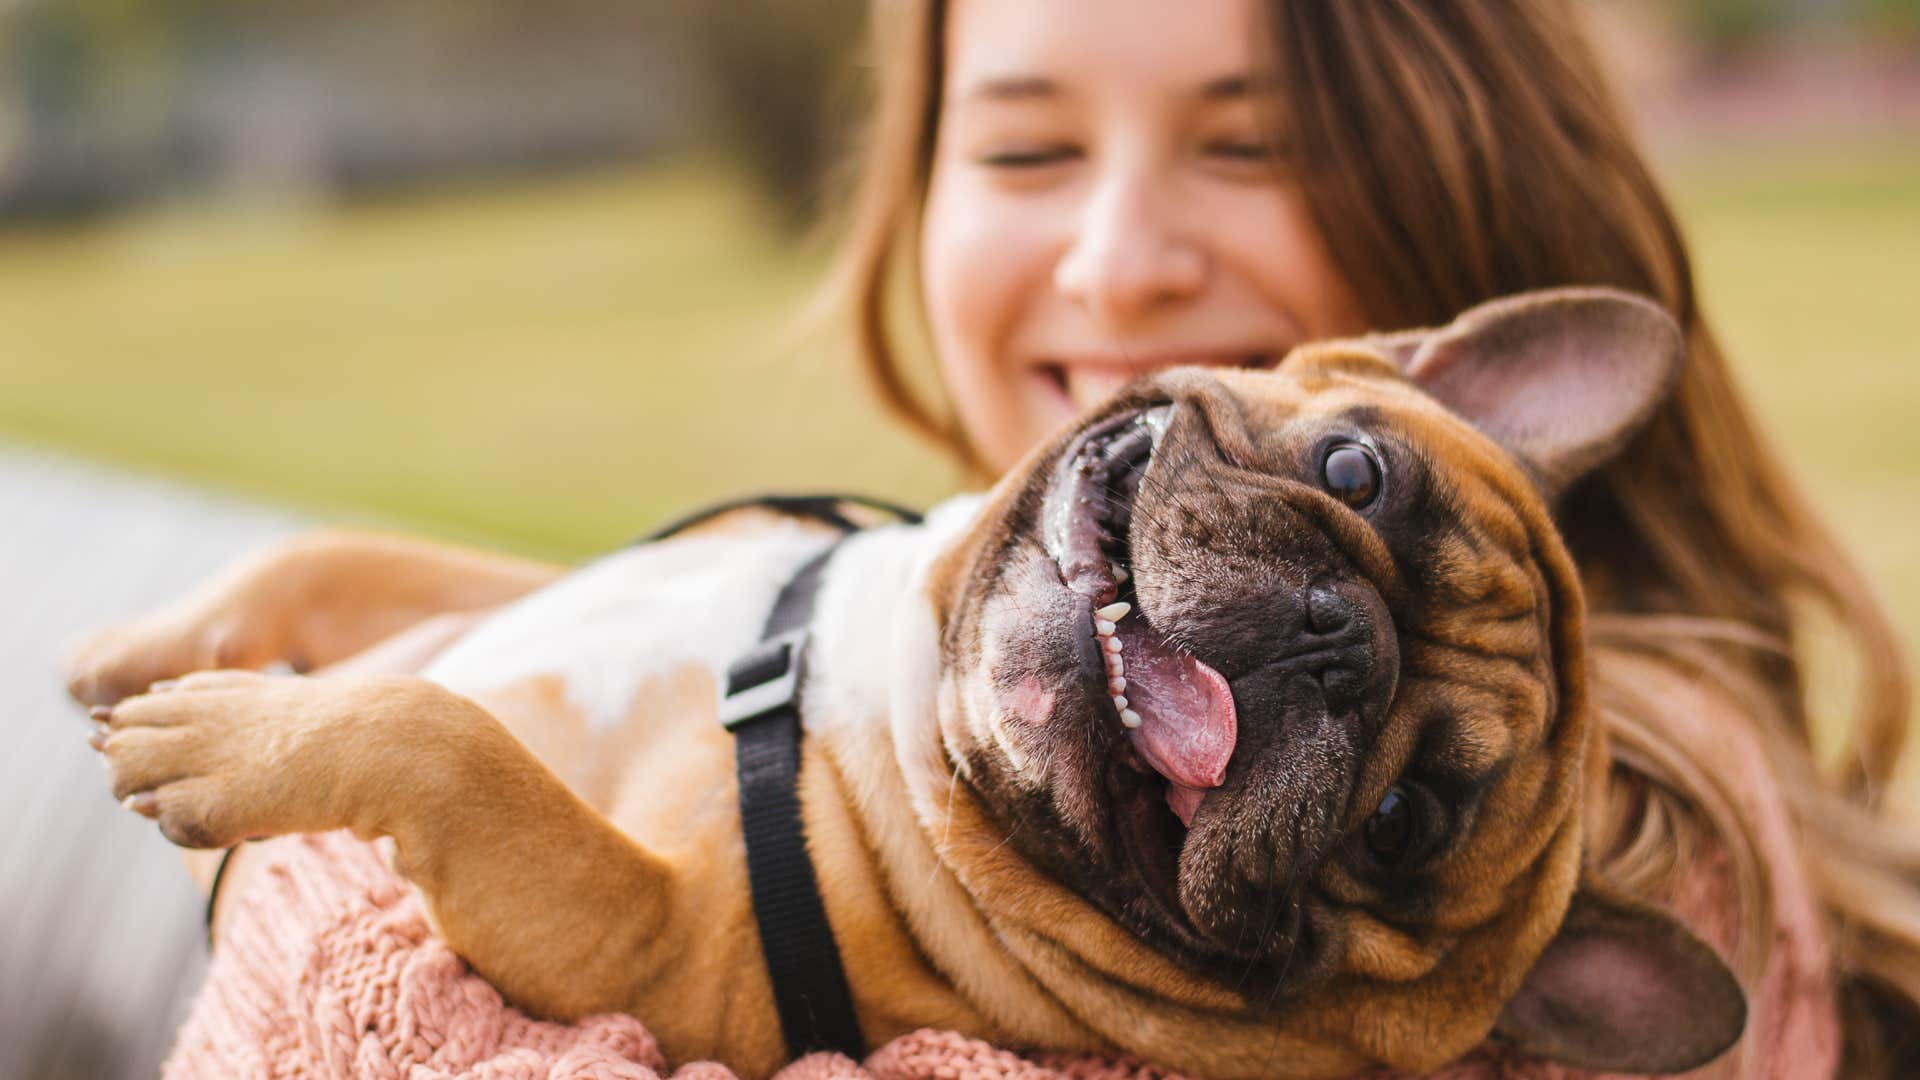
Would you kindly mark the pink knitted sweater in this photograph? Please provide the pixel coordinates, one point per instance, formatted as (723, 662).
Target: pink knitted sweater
(326, 967)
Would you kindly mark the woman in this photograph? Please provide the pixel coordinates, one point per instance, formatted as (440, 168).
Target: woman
(1099, 192)
(1092, 189)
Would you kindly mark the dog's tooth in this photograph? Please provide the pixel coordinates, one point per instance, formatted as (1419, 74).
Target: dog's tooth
(1119, 572)
(1120, 702)
(1116, 685)
(1115, 667)
(1114, 612)
(1130, 718)
(1112, 645)
(1103, 626)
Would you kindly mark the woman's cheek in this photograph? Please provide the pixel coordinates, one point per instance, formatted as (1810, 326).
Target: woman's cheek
(983, 256)
(1267, 233)
(985, 266)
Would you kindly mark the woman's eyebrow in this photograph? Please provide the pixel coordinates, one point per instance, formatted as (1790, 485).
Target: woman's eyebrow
(1232, 87)
(1012, 88)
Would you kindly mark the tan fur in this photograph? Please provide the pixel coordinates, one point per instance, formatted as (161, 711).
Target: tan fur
(587, 862)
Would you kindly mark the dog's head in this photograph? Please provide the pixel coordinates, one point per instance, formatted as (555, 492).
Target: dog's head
(1284, 672)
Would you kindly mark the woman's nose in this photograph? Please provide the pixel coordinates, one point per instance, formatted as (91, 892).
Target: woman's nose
(1127, 259)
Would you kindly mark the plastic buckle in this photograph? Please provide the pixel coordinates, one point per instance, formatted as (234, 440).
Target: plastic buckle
(764, 680)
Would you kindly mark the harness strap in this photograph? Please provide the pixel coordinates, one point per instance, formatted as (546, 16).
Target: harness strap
(822, 508)
(761, 707)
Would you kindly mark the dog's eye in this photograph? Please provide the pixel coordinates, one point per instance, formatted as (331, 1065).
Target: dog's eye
(1351, 474)
(1392, 828)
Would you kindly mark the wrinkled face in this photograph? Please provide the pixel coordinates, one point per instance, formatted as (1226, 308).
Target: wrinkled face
(1263, 665)
(1106, 199)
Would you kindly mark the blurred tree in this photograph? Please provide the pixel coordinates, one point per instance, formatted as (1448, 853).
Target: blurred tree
(1724, 26)
(783, 84)
(105, 102)
(108, 102)
(1900, 17)
(1728, 26)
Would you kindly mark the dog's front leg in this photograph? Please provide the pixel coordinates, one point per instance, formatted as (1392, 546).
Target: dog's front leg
(534, 888)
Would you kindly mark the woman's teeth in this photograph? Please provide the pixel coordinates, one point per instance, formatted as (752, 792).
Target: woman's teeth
(1088, 384)
(1105, 622)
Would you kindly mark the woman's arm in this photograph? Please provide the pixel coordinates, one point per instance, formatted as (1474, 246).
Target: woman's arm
(310, 602)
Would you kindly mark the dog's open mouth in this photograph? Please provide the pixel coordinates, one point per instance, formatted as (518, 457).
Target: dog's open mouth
(1177, 713)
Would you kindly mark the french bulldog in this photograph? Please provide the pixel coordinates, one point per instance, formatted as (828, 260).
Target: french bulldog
(1241, 728)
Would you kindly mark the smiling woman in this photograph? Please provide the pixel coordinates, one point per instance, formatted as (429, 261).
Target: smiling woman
(1094, 191)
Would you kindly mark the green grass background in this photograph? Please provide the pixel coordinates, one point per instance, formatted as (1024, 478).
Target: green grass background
(547, 366)
(551, 366)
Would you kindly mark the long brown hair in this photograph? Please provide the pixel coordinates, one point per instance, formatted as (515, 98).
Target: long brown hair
(1463, 151)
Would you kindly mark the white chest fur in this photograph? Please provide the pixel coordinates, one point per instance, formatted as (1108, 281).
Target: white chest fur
(640, 613)
(607, 628)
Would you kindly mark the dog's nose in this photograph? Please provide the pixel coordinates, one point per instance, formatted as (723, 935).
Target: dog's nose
(1351, 650)
(1327, 610)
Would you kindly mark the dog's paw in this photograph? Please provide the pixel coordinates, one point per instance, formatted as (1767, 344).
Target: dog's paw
(215, 757)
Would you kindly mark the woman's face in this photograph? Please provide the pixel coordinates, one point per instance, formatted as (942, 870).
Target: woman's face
(1103, 203)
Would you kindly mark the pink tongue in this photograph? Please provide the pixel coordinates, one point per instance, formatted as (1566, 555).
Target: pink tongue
(1187, 724)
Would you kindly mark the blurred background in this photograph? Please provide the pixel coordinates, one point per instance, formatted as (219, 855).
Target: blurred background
(527, 276)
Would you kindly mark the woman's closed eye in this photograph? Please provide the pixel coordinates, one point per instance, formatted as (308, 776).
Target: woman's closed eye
(1029, 156)
(1242, 149)
(1260, 152)
(1253, 157)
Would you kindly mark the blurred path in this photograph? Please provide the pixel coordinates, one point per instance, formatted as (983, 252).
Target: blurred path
(100, 934)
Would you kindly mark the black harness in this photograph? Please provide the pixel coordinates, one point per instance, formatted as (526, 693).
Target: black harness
(761, 706)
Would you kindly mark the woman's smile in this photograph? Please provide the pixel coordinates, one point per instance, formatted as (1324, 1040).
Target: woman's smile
(1081, 378)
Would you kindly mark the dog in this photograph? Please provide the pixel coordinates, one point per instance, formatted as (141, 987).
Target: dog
(1241, 728)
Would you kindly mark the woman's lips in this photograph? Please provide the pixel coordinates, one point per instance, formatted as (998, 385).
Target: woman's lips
(1085, 381)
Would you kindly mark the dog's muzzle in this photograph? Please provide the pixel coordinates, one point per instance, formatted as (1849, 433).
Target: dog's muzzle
(1246, 662)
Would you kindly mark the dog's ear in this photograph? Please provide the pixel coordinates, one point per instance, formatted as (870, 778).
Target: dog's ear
(1624, 987)
(1560, 377)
